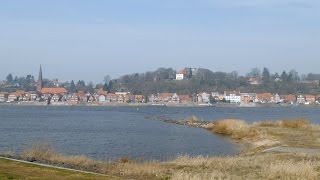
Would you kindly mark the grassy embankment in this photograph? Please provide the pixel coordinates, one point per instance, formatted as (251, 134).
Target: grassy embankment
(16, 170)
(253, 163)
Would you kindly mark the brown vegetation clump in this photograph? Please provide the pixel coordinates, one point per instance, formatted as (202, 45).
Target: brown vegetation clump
(286, 123)
(193, 119)
(260, 166)
(268, 123)
(123, 167)
(237, 129)
(180, 175)
(8, 154)
(38, 151)
(295, 123)
(292, 170)
(43, 152)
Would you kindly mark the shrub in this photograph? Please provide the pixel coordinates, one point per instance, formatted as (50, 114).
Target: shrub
(268, 124)
(295, 123)
(286, 123)
(237, 129)
(193, 119)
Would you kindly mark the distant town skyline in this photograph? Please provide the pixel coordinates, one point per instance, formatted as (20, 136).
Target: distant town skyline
(86, 40)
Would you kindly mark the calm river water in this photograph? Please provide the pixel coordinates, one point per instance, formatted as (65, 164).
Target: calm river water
(113, 132)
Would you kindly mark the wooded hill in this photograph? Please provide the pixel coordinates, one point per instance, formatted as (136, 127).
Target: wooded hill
(204, 80)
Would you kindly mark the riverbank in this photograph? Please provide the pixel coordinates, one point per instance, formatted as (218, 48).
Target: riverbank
(15, 169)
(254, 166)
(284, 149)
(258, 136)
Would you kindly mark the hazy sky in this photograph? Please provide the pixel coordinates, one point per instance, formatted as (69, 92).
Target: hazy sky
(77, 39)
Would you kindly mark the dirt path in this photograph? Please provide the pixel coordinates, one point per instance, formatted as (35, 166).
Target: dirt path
(286, 149)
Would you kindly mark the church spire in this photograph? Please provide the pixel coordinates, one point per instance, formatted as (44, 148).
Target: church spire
(40, 81)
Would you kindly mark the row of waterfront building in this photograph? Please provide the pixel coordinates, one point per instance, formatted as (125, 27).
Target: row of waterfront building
(50, 95)
(100, 96)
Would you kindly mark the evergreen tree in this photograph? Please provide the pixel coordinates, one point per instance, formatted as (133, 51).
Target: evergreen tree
(190, 73)
(266, 76)
(81, 83)
(90, 87)
(110, 86)
(72, 87)
(284, 76)
(9, 78)
(105, 87)
(15, 80)
(29, 78)
(294, 76)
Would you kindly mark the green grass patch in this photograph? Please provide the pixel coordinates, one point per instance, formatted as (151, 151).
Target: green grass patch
(18, 170)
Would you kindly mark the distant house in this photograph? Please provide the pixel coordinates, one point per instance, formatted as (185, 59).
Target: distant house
(121, 98)
(290, 99)
(25, 97)
(102, 98)
(34, 96)
(232, 96)
(48, 93)
(277, 98)
(12, 97)
(248, 97)
(264, 98)
(74, 98)
(154, 98)
(16, 96)
(139, 99)
(122, 93)
(56, 97)
(277, 80)
(51, 91)
(301, 99)
(94, 97)
(165, 97)
(4, 96)
(217, 96)
(90, 98)
(254, 81)
(204, 97)
(111, 97)
(181, 75)
(80, 96)
(310, 99)
(83, 96)
(129, 98)
(175, 98)
(185, 99)
(213, 94)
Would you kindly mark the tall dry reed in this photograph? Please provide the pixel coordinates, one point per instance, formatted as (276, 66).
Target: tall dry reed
(237, 129)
